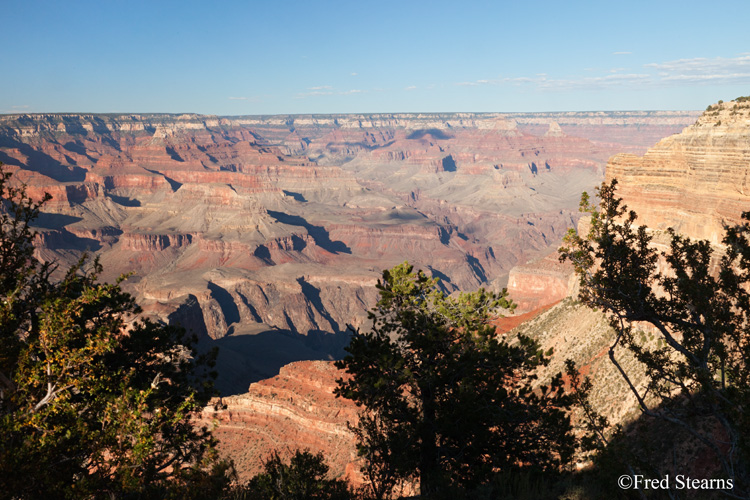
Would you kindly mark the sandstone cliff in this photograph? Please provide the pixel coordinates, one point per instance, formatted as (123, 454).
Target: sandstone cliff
(695, 181)
(541, 282)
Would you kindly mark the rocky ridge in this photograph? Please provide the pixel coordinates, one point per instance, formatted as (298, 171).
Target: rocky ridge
(696, 181)
(294, 410)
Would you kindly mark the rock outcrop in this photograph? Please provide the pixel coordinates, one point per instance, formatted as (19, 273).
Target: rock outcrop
(696, 181)
(541, 282)
(294, 410)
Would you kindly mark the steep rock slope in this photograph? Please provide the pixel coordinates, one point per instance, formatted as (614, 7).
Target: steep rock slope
(294, 410)
(695, 181)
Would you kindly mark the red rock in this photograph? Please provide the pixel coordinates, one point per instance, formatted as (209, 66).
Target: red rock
(294, 410)
(541, 282)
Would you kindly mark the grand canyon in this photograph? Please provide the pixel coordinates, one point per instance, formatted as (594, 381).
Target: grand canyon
(354, 251)
(265, 235)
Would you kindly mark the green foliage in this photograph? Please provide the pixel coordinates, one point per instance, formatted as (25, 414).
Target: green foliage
(91, 405)
(698, 376)
(303, 478)
(445, 401)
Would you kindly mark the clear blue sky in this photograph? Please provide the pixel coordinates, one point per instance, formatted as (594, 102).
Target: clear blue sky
(318, 56)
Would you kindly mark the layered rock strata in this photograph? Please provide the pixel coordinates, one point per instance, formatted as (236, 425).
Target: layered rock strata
(295, 410)
(696, 181)
(259, 228)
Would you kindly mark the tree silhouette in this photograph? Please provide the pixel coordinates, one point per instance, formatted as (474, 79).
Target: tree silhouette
(697, 302)
(445, 401)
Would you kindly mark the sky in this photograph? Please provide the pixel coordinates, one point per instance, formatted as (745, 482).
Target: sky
(317, 56)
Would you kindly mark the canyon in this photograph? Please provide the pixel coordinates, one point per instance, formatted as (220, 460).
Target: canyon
(714, 155)
(266, 235)
(247, 224)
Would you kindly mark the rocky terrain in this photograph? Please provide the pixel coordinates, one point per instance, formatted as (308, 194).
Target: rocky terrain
(694, 182)
(546, 288)
(706, 164)
(294, 410)
(266, 234)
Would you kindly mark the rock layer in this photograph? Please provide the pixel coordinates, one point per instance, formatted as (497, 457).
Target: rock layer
(294, 410)
(696, 181)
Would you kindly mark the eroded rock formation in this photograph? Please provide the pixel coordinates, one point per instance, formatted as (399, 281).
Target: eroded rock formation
(249, 229)
(695, 181)
(294, 410)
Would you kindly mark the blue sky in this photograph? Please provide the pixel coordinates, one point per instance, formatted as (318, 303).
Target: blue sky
(270, 57)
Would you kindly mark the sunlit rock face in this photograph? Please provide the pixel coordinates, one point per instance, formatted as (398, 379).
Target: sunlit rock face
(294, 410)
(541, 282)
(695, 181)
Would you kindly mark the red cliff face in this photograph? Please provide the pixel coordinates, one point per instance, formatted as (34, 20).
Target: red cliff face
(694, 182)
(294, 410)
(541, 282)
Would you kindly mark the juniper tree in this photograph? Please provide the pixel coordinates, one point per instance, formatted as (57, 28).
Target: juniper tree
(697, 301)
(305, 477)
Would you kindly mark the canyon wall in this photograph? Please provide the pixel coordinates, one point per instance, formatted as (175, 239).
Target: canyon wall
(696, 181)
(266, 235)
(708, 161)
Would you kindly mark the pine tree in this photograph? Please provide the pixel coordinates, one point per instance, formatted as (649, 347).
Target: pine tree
(445, 401)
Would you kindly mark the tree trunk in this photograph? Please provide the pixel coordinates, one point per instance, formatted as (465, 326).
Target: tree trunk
(429, 468)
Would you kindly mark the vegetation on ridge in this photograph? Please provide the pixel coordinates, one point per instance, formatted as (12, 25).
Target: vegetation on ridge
(90, 405)
(698, 304)
(446, 402)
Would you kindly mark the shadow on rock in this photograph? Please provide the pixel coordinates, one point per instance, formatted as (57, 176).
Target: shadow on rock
(247, 358)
